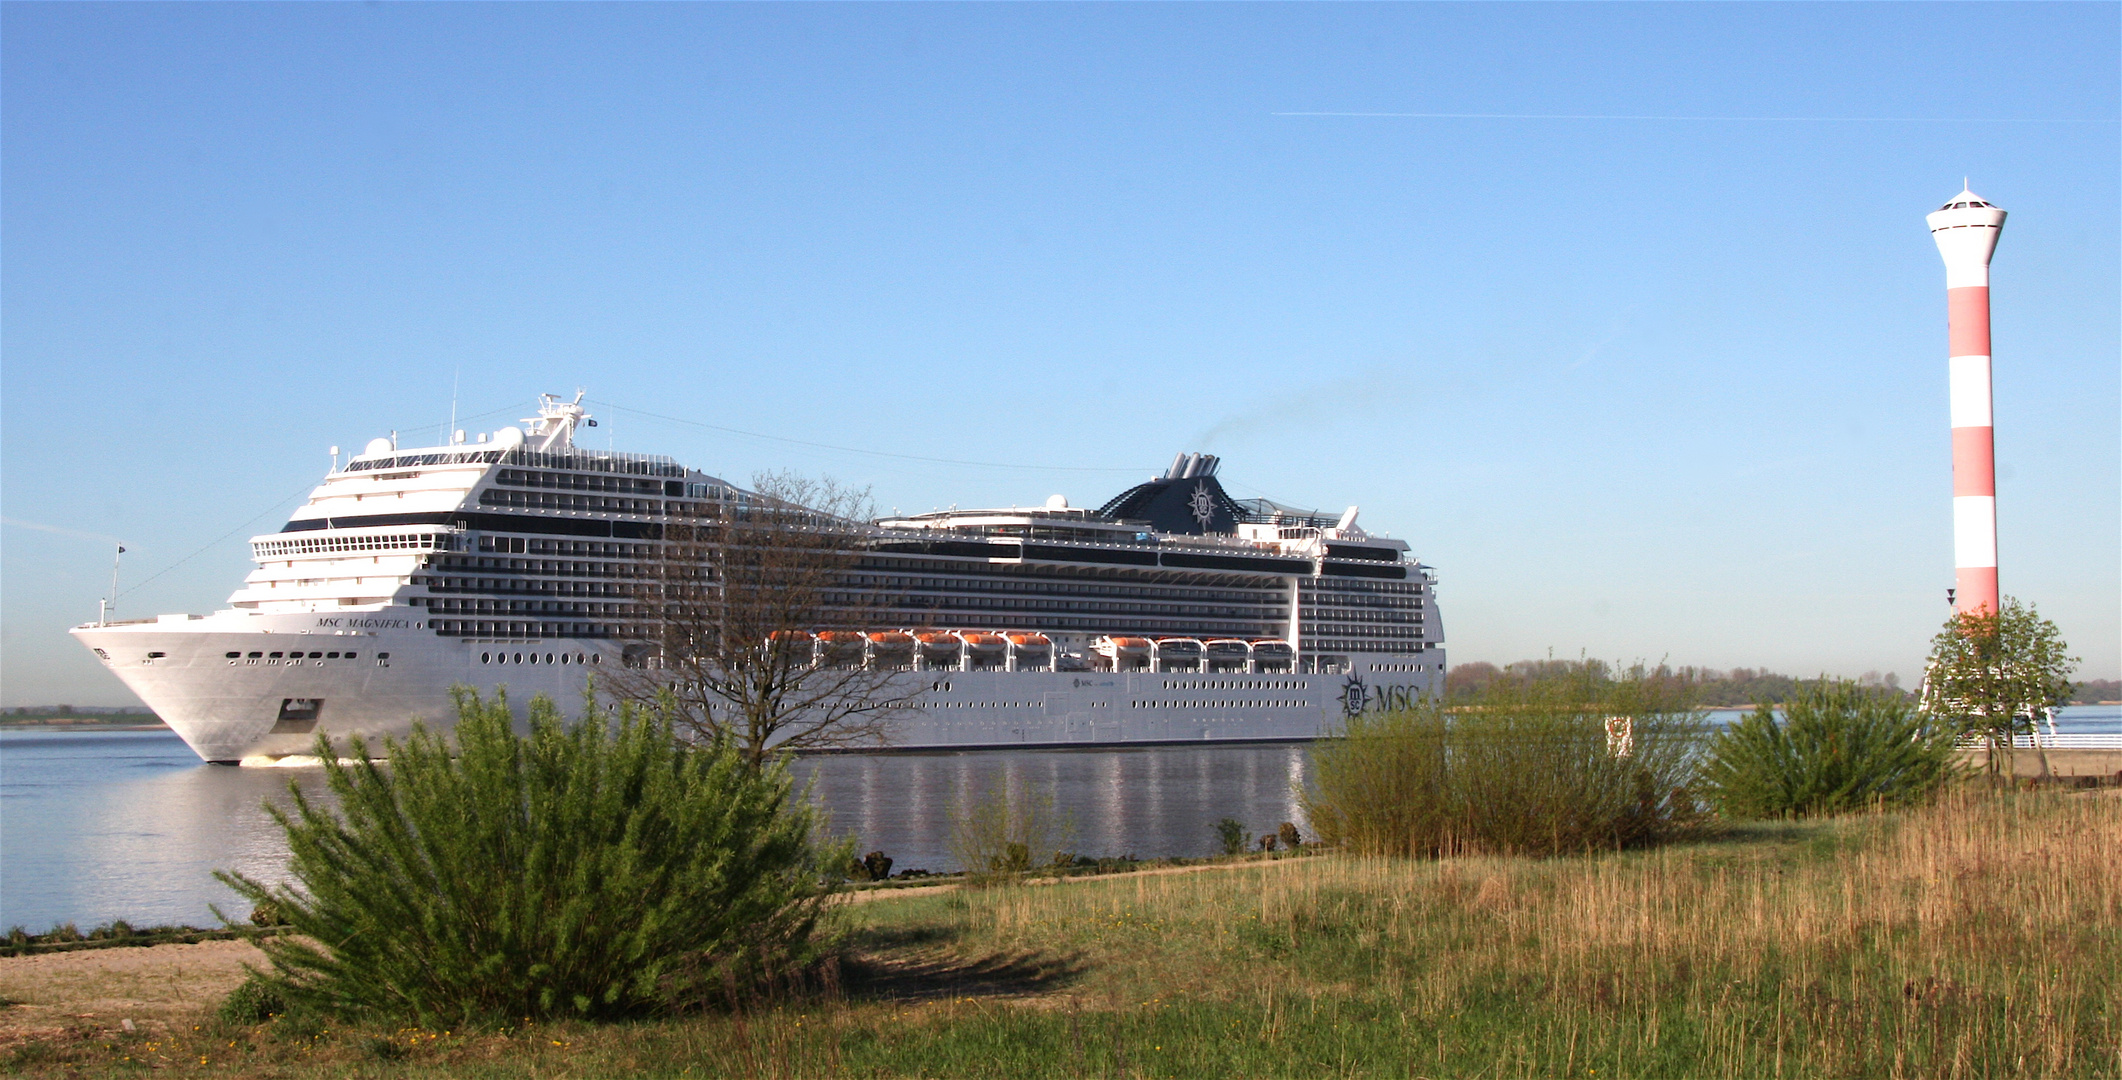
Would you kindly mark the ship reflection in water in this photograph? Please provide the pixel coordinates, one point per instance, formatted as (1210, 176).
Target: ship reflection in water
(131, 825)
(1143, 801)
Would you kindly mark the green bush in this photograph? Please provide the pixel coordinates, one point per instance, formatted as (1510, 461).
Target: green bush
(597, 872)
(1838, 747)
(1519, 767)
(257, 1000)
(1230, 836)
(1001, 834)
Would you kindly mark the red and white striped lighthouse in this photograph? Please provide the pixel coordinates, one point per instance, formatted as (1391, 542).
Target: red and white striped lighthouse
(1966, 230)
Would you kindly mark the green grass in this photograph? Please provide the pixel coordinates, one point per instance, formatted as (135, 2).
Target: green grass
(1976, 938)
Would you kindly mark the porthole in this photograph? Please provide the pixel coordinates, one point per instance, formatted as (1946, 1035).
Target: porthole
(548, 658)
(486, 658)
(519, 658)
(563, 658)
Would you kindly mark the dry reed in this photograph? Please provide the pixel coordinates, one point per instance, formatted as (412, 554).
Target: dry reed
(1976, 936)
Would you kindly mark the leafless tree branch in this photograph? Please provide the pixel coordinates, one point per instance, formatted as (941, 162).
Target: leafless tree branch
(747, 615)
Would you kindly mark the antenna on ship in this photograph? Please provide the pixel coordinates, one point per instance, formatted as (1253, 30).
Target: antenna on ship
(109, 604)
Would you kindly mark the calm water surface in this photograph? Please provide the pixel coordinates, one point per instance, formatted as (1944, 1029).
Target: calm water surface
(130, 825)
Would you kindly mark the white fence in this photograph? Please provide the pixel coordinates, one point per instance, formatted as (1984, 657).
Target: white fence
(2049, 742)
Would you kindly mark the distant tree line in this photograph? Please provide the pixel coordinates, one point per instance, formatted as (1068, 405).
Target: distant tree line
(2095, 691)
(77, 710)
(1708, 687)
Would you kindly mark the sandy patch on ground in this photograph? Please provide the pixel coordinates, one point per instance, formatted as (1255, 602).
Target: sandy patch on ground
(153, 986)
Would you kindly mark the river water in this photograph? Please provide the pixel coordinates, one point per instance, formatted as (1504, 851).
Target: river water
(130, 825)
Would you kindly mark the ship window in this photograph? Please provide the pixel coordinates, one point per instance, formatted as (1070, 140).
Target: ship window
(519, 658)
(383, 656)
(548, 658)
(597, 658)
(316, 656)
(233, 656)
(276, 656)
(329, 656)
(254, 656)
(351, 656)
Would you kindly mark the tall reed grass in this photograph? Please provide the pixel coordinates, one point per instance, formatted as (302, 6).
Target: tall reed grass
(1975, 937)
(1522, 767)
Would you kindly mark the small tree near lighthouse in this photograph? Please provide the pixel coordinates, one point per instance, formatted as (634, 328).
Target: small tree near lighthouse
(1997, 674)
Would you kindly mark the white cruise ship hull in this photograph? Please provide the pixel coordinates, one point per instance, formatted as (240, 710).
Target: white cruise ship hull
(380, 671)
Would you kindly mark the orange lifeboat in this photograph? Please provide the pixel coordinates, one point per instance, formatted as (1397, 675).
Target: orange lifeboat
(1228, 654)
(1273, 654)
(980, 641)
(840, 646)
(983, 649)
(890, 649)
(1029, 651)
(937, 646)
(1178, 654)
(796, 642)
(1124, 653)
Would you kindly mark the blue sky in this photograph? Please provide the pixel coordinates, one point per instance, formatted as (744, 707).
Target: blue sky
(1667, 388)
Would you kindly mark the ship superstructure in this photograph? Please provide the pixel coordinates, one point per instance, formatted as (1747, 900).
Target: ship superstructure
(1172, 612)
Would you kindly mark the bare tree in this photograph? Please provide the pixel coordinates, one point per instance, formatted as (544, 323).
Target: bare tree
(751, 630)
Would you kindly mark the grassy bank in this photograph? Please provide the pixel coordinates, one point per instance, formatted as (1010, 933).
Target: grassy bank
(1975, 938)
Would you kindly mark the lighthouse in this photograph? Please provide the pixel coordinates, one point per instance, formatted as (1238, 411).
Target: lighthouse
(1966, 229)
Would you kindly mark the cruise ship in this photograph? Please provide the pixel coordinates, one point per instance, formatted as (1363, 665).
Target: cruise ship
(1172, 613)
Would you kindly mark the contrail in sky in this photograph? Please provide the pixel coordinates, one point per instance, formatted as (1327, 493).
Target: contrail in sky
(1798, 119)
(42, 527)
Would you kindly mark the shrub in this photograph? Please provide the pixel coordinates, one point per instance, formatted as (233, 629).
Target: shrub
(600, 872)
(1230, 836)
(1001, 834)
(1838, 746)
(1522, 766)
(257, 1000)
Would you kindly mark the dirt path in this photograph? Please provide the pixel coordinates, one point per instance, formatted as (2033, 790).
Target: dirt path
(153, 986)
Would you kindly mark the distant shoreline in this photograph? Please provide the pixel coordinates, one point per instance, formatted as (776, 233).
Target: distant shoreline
(81, 723)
